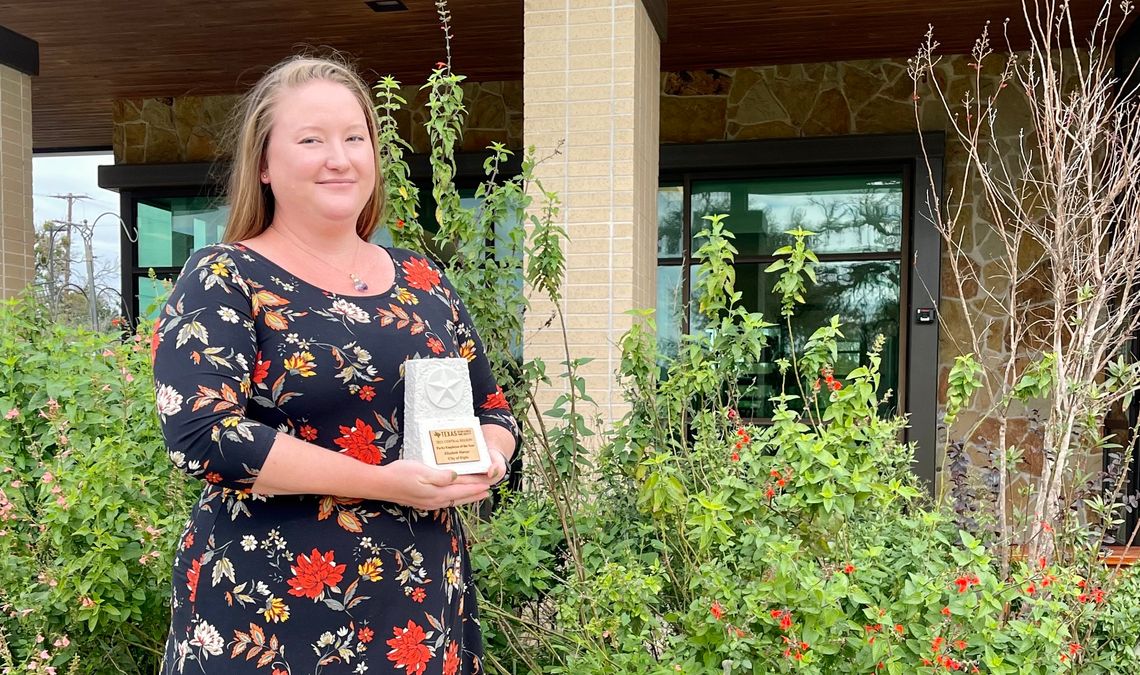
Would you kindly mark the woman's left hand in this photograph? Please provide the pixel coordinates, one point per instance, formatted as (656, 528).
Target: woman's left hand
(498, 470)
(501, 446)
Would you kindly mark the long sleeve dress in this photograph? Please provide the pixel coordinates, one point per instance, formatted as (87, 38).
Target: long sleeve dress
(293, 585)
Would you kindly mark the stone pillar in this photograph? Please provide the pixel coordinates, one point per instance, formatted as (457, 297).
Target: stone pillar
(19, 60)
(591, 79)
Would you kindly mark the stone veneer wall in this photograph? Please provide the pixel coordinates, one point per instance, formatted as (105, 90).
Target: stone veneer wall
(193, 128)
(16, 219)
(870, 97)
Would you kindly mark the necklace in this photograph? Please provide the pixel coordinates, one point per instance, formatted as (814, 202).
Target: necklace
(357, 282)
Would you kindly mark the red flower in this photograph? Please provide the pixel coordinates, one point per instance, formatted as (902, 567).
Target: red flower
(312, 573)
(420, 274)
(260, 370)
(770, 492)
(192, 578)
(959, 645)
(496, 400)
(399, 223)
(848, 568)
(440, 64)
(308, 433)
(899, 628)
(435, 345)
(418, 594)
(936, 645)
(408, 650)
(963, 582)
(451, 659)
(735, 457)
(214, 477)
(1030, 589)
(357, 442)
(367, 393)
(364, 635)
(155, 339)
(717, 610)
(278, 671)
(188, 541)
(835, 385)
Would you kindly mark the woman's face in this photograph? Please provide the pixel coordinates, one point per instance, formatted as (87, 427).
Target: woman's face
(319, 161)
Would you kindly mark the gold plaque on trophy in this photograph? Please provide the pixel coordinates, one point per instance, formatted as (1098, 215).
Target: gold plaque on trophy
(454, 446)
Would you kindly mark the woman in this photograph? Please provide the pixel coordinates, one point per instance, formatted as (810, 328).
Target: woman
(278, 371)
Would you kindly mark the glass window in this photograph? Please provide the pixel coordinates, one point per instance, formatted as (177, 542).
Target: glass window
(849, 214)
(670, 221)
(859, 224)
(171, 228)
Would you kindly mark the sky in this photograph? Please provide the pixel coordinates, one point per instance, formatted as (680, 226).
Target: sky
(78, 174)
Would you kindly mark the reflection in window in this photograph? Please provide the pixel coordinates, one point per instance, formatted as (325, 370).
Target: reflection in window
(171, 228)
(849, 214)
(670, 221)
(859, 224)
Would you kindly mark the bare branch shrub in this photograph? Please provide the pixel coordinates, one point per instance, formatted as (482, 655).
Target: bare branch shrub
(1058, 288)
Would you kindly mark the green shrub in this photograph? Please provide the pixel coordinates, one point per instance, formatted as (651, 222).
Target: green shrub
(90, 509)
(699, 544)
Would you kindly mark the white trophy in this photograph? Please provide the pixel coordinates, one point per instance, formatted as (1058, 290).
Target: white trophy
(440, 428)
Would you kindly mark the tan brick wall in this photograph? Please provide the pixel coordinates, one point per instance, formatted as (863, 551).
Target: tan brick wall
(16, 226)
(591, 79)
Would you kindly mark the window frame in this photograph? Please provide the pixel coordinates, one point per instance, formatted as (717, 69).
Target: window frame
(920, 277)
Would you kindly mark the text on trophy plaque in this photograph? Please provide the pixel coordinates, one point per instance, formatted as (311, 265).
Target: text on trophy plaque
(452, 446)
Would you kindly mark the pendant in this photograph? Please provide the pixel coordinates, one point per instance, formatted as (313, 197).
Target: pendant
(358, 283)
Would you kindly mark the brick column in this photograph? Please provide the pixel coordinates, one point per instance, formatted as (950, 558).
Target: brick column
(18, 61)
(592, 79)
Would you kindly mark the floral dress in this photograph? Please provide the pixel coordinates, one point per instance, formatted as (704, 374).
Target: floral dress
(300, 584)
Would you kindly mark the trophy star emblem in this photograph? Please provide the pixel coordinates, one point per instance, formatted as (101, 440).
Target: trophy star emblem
(442, 388)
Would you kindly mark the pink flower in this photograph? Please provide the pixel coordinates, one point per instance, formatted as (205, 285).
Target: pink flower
(12, 414)
(47, 477)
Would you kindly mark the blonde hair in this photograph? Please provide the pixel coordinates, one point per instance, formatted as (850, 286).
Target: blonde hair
(250, 200)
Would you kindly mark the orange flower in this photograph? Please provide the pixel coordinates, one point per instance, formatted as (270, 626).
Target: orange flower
(435, 345)
(467, 350)
(357, 442)
(308, 433)
(312, 573)
(192, 578)
(367, 393)
(418, 594)
(451, 659)
(420, 274)
(717, 610)
(364, 635)
(408, 650)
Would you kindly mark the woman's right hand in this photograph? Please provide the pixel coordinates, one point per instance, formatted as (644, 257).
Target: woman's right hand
(419, 486)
